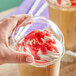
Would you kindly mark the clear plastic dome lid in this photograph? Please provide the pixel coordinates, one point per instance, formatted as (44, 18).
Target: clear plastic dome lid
(42, 39)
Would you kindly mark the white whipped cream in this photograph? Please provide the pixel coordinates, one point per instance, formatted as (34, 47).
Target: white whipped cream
(64, 3)
(51, 55)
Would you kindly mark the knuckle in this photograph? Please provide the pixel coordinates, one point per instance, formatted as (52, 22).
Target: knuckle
(17, 57)
(7, 21)
(13, 16)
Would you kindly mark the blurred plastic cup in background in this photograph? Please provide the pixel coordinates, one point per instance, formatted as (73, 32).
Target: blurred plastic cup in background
(63, 13)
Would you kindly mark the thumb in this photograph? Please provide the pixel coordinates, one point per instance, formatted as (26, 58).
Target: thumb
(20, 57)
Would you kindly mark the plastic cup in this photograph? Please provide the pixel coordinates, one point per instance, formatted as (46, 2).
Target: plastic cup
(36, 69)
(65, 18)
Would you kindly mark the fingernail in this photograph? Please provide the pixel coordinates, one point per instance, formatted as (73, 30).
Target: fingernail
(29, 59)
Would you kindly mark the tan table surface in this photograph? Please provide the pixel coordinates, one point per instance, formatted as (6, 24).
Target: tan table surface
(67, 69)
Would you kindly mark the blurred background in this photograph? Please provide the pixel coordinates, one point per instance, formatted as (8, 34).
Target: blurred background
(8, 6)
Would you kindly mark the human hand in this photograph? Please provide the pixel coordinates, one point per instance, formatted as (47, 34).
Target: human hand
(7, 54)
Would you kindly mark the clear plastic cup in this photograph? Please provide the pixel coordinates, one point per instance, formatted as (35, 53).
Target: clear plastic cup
(37, 69)
(65, 17)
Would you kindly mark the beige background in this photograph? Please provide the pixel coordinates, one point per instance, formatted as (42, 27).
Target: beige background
(5, 13)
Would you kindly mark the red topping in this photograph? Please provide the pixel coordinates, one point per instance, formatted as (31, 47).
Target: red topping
(35, 43)
(73, 2)
(59, 1)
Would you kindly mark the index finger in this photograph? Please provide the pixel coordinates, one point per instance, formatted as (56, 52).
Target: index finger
(14, 21)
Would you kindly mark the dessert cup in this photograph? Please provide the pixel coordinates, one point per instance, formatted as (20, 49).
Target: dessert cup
(29, 70)
(41, 69)
(65, 18)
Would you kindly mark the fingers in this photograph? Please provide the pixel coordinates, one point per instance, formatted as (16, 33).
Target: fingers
(21, 18)
(19, 57)
(15, 20)
(7, 25)
(12, 22)
(27, 21)
(16, 57)
(8, 55)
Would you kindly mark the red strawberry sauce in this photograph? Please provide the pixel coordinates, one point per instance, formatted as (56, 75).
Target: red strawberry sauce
(34, 41)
